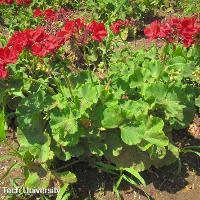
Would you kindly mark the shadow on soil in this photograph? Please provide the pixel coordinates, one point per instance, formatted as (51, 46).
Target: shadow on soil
(165, 179)
(92, 181)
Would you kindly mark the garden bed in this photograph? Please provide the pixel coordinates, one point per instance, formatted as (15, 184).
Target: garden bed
(97, 99)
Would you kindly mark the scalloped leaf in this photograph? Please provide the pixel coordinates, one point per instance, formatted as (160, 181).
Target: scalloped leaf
(112, 117)
(64, 127)
(150, 130)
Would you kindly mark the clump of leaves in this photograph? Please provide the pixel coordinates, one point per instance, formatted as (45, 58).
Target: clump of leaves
(126, 116)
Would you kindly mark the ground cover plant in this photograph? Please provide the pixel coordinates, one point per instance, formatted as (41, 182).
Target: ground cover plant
(74, 90)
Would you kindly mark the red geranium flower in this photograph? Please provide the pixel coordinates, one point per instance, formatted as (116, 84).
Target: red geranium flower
(116, 26)
(70, 28)
(39, 50)
(27, 1)
(98, 31)
(19, 38)
(184, 30)
(36, 35)
(75, 26)
(49, 14)
(38, 12)
(9, 1)
(8, 55)
(79, 24)
(20, 2)
(152, 32)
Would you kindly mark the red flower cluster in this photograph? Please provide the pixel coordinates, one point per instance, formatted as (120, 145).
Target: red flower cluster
(38, 41)
(97, 30)
(116, 26)
(82, 32)
(49, 14)
(77, 28)
(18, 2)
(74, 26)
(47, 44)
(6, 1)
(41, 43)
(8, 55)
(183, 30)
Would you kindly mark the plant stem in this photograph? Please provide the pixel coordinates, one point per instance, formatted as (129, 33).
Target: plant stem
(88, 64)
(164, 52)
(68, 165)
(69, 85)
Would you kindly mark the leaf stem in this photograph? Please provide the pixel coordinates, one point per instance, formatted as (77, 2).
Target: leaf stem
(88, 64)
(68, 82)
(68, 165)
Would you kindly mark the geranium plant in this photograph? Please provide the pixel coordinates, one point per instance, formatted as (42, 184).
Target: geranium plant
(70, 95)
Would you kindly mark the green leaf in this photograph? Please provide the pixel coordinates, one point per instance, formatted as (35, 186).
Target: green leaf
(62, 192)
(190, 151)
(154, 132)
(114, 143)
(197, 101)
(31, 127)
(192, 147)
(135, 109)
(2, 158)
(112, 117)
(155, 68)
(107, 167)
(179, 167)
(124, 34)
(88, 94)
(149, 130)
(181, 67)
(135, 174)
(39, 148)
(2, 94)
(45, 181)
(116, 186)
(179, 106)
(155, 90)
(131, 156)
(132, 135)
(97, 148)
(64, 127)
(92, 57)
(136, 80)
(32, 181)
(66, 177)
(60, 152)
(129, 180)
(2, 126)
